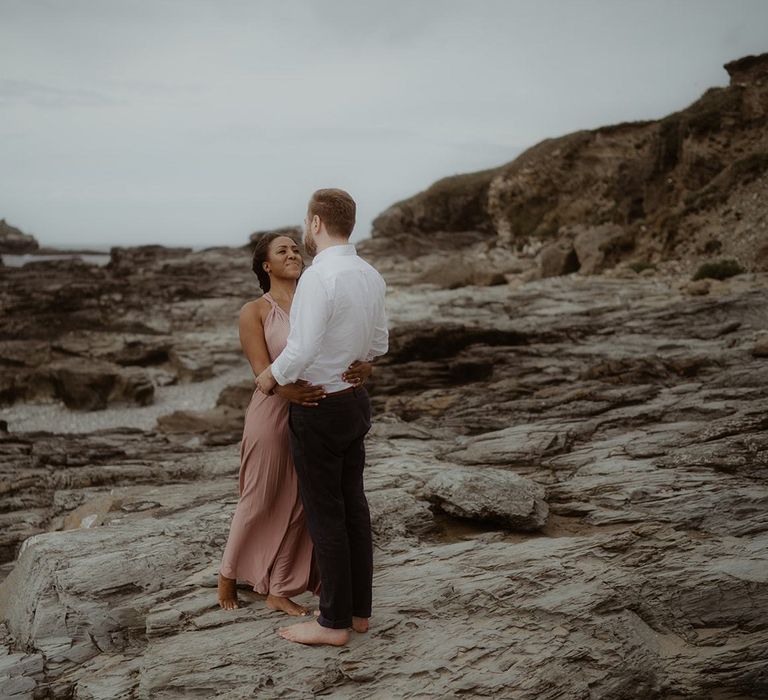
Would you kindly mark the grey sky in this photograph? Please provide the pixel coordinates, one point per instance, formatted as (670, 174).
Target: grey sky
(195, 122)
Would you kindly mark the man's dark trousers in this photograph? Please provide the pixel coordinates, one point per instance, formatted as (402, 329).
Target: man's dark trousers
(327, 443)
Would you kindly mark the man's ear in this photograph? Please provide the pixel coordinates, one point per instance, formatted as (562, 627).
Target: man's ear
(316, 223)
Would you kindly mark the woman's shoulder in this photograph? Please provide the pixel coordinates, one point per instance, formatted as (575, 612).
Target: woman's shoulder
(253, 310)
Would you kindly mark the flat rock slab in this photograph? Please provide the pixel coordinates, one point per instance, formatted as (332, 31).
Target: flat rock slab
(492, 495)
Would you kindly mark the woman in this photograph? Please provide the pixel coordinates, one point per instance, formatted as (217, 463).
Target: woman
(269, 545)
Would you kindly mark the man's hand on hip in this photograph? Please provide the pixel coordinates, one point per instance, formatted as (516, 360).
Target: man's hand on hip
(301, 392)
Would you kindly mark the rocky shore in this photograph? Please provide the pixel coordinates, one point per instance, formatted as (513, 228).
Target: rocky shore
(568, 473)
(602, 439)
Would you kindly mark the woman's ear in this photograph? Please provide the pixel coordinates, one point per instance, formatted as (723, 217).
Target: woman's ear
(265, 265)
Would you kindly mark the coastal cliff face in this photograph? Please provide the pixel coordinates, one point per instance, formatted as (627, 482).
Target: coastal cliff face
(15, 241)
(689, 187)
(567, 472)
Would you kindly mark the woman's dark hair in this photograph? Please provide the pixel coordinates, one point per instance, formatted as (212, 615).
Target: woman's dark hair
(260, 255)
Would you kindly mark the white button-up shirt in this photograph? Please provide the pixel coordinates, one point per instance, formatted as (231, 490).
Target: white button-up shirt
(337, 317)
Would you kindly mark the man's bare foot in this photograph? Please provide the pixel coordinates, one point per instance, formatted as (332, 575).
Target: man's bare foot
(228, 593)
(276, 602)
(360, 624)
(313, 632)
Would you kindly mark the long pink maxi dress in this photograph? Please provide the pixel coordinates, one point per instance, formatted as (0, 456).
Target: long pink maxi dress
(269, 545)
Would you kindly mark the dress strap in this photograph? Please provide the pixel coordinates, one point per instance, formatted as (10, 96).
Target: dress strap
(275, 306)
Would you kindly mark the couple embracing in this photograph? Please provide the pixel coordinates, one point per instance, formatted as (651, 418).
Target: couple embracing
(302, 521)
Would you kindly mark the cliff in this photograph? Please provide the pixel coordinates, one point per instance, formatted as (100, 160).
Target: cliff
(687, 187)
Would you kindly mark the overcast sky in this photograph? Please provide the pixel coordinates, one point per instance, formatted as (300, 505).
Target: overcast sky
(196, 122)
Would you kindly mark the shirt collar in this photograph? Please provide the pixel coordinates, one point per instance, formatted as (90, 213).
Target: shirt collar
(343, 249)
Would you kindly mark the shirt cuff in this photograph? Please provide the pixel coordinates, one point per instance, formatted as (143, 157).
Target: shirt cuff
(280, 378)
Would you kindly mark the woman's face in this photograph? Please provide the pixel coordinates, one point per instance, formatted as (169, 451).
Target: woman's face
(284, 258)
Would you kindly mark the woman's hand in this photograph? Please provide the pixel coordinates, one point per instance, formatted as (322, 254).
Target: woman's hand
(301, 392)
(358, 372)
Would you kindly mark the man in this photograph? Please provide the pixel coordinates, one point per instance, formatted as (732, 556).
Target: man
(337, 318)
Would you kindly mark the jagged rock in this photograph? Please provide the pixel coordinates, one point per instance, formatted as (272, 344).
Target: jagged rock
(460, 272)
(220, 426)
(698, 287)
(494, 495)
(519, 444)
(760, 348)
(56, 311)
(557, 259)
(24, 353)
(19, 675)
(90, 385)
(92, 513)
(14, 241)
(456, 203)
(120, 348)
(396, 514)
(401, 255)
(45, 477)
(192, 364)
(125, 606)
(238, 395)
(131, 260)
(600, 247)
(119, 594)
(38, 371)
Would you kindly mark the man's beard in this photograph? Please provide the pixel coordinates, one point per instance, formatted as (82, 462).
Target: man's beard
(309, 244)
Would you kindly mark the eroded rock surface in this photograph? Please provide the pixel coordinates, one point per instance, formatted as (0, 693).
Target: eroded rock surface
(635, 407)
(94, 336)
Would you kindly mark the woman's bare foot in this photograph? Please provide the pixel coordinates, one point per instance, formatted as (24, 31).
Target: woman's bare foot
(360, 624)
(313, 632)
(276, 602)
(228, 593)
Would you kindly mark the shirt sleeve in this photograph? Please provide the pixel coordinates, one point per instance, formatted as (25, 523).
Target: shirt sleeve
(310, 311)
(380, 342)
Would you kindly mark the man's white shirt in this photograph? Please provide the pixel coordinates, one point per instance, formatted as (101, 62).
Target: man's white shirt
(337, 316)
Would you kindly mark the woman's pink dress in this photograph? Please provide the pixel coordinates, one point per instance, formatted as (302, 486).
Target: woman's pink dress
(269, 545)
